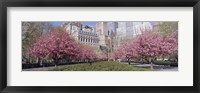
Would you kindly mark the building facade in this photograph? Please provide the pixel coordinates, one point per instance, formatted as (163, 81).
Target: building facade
(112, 30)
(112, 27)
(128, 30)
(155, 25)
(109, 35)
(101, 30)
(84, 34)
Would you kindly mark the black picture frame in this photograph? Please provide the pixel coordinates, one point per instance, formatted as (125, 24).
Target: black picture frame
(101, 3)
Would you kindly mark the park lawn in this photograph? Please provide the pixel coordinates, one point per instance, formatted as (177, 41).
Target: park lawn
(100, 66)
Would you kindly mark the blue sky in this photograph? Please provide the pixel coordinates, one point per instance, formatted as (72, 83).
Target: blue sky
(89, 23)
(56, 23)
(84, 23)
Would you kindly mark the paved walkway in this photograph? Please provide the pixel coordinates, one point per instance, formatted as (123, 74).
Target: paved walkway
(157, 67)
(45, 68)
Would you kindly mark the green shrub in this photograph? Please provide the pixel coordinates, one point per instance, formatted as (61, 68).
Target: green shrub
(165, 63)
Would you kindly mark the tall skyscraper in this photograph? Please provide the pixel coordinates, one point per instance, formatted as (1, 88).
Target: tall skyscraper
(101, 30)
(127, 30)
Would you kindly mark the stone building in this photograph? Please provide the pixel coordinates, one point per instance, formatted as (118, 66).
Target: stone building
(84, 34)
(101, 30)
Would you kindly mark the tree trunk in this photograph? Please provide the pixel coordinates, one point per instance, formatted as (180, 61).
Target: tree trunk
(36, 60)
(151, 65)
(177, 59)
(129, 62)
(56, 62)
(90, 63)
(41, 64)
(163, 58)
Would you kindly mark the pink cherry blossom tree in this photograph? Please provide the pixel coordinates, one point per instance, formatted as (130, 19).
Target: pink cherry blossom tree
(103, 56)
(129, 50)
(118, 54)
(169, 46)
(126, 52)
(55, 45)
(87, 54)
(149, 46)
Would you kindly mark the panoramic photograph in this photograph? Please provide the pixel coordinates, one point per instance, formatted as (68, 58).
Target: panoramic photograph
(99, 45)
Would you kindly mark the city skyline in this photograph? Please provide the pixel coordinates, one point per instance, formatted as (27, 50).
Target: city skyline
(93, 23)
(99, 32)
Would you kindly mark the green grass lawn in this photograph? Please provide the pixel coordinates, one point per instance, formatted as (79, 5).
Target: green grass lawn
(100, 66)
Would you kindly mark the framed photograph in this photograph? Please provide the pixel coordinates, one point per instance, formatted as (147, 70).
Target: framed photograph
(99, 46)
